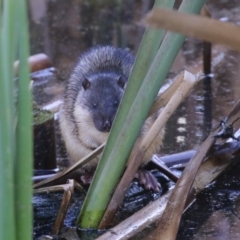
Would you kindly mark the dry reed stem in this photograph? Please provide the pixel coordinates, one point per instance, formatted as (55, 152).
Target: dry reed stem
(67, 196)
(75, 166)
(164, 97)
(137, 221)
(195, 26)
(68, 189)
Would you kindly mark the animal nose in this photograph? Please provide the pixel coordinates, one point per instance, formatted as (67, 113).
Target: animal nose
(107, 125)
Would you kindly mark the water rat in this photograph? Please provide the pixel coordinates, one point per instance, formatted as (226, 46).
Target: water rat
(92, 96)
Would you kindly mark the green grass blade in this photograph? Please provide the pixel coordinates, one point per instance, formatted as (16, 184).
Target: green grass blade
(24, 161)
(7, 119)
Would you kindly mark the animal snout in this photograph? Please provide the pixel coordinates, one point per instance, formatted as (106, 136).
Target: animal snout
(107, 125)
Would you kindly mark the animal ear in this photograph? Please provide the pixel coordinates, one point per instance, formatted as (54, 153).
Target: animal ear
(86, 84)
(121, 81)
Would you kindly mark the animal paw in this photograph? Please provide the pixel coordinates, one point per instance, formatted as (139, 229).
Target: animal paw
(86, 178)
(147, 179)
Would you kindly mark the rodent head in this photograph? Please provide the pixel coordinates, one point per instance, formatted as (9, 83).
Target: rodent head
(101, 95)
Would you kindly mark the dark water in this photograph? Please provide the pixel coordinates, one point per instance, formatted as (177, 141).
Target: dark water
(63, 29)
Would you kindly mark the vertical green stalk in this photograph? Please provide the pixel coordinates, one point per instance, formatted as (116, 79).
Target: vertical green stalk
(15, 149)
(146, 53)
(23, 165)
(7, 119)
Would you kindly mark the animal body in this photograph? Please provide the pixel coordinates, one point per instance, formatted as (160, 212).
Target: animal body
(92, 96)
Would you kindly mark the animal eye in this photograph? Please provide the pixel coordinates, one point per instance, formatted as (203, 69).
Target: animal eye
(94, 104)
